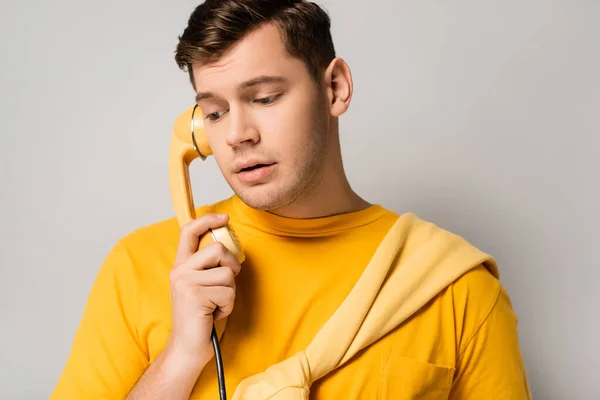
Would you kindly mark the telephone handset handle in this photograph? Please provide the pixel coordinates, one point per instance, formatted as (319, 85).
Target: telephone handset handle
(189, 142)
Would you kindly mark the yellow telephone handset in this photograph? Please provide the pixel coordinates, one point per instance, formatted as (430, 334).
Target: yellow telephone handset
(187, 143)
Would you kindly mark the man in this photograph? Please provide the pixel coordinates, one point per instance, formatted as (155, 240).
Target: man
(271, 89)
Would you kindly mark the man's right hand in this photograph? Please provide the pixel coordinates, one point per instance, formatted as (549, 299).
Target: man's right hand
(202, 291)
(202, 288)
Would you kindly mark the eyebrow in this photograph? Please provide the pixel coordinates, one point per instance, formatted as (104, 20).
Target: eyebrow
(247, 84)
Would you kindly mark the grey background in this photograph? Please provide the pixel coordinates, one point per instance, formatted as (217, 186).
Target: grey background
(482, 116)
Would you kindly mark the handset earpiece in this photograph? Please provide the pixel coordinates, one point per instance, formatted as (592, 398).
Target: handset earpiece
(189, 142)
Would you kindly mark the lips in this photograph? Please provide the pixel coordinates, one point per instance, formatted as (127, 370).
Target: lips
(254, 167)
(255, 172)
(251, 165)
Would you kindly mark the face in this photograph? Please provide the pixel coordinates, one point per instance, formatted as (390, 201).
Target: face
(266, 122)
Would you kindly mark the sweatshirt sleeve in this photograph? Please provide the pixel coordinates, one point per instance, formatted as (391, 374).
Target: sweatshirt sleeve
(490, 365)
(107, 357)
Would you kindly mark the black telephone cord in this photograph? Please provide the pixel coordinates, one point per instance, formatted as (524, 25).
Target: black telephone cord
(220, 374)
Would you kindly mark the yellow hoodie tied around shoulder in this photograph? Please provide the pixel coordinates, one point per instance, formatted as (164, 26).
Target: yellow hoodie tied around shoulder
(415, 261)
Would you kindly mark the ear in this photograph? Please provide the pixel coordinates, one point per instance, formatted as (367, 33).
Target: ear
(337, 80)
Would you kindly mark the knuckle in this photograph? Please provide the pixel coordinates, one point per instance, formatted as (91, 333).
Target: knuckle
(229, 274)
(179, 285)
(220, 249)
(186, 228)
(230, 293)
(173, 275)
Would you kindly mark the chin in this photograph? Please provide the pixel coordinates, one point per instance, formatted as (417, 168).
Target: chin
(265, 197)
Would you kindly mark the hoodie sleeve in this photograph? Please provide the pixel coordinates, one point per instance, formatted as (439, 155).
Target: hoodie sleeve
(107, 356)
(490, 365)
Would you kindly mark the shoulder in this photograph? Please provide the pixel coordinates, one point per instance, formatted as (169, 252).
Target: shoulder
(478, 285)
(478, 297)
(472, 296)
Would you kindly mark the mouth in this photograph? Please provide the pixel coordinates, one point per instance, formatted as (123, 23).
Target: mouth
(254, 173)
(254, 167)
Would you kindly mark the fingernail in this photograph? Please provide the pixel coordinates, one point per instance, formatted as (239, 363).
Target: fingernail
(222, 216)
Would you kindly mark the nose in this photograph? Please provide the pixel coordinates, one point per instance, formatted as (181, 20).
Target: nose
(242, 128)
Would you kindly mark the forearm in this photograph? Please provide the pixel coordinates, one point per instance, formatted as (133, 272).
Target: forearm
(172, 375)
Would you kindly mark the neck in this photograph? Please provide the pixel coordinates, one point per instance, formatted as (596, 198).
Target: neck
(330, 194)
(324, 203)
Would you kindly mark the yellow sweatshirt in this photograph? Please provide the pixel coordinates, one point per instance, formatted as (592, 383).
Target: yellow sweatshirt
(366, 305)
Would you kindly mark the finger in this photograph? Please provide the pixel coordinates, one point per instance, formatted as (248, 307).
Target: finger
(189, 238)
(213, 255)
(222, 300)
(221, 276)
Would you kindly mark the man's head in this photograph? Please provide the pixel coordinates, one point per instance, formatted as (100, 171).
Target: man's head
(270, 89)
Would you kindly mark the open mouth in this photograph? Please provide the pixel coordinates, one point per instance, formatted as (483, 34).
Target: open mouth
(257, 166)
(261, 172)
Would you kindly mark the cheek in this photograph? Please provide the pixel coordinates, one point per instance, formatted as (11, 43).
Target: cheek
(217, 145)
(288, 129)
(285, 138)
(221, 154)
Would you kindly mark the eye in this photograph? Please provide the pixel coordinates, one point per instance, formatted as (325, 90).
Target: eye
(215, 116)
(267, 100)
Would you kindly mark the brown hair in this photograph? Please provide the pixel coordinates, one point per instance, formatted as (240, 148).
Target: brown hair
(216, 25)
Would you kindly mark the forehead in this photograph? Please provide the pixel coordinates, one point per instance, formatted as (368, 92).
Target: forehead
(262, 52)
